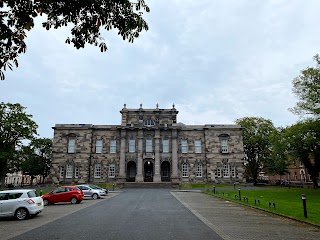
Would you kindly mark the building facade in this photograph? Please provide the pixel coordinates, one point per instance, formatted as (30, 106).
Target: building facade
(148, 146)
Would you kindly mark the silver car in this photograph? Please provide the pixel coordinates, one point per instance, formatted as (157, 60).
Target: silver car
(91, 192)
(20, 203)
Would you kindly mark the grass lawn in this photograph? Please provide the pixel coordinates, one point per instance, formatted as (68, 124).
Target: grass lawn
(288, 201)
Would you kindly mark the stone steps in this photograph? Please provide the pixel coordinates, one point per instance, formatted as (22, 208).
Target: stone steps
(147, 185)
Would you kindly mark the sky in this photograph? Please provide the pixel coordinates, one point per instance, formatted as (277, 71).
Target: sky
(217, 61)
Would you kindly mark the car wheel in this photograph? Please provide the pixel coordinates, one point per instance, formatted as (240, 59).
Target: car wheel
(74, 200)
(46, 202)
(94, 196)
(21, 214)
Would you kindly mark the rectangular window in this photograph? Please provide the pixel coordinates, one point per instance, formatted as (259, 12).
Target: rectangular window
(233, 171)
(113, 146)
(148, 145)
(76, 171)
(165, 145)
(184, 146)
(71, 145)
(69, 171)
(97, 171)
(225, 170)
(99, 146)
(185, 172)
(132, 145)
(199, 170)
(219, 171)
(295, 176)
(61, 171)
(197, 146)
(224, 145)
(112, 171)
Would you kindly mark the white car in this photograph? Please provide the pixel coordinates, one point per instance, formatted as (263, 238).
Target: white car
(93, 193)
(20, 203)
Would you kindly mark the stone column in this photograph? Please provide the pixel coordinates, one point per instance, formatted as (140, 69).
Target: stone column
(139, 177)
(157, 176)
(174, 174)
(122, 167)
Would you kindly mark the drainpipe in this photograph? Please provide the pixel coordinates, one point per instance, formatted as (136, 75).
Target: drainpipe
(90, 156)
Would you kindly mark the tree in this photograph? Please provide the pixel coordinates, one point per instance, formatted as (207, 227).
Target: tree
(87, 17)
(42, 149)
(278, 163)
(303, 141)
(257, 144)
(15, 125)
(307, 88)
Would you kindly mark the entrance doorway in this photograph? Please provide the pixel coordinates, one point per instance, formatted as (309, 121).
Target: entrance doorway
(131, 171)
(148, 171)
(165, 171)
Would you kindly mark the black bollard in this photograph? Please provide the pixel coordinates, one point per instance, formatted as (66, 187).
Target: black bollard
(112, 186)
(239, 194)
(234, 186)
(40, 192)
(304, 202)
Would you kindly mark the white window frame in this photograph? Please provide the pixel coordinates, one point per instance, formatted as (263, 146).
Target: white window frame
(148, 145)
(112, 171)
(69, 171)
(199, 170)
(224, 145)
(97, 170)
(113, 146)
(61, 173)
(165, 145)
(132, 145)
(226, 169)
(185, 170)
(197, 146)
(184, 146)
(76, 171)
(99, 145)
(71, 145)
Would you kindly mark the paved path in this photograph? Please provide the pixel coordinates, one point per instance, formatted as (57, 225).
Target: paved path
(232, 221)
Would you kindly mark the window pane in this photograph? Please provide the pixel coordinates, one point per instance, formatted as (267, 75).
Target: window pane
(225, 170)
(113, 146)
(184, 146)
(97, 171)
(199, 170)
(224, 145)
(197, 146)
(132, 145)
(71, 145)
(185, 170)
(69, 171)
(165, 145)
(99, 146)
(148, 145)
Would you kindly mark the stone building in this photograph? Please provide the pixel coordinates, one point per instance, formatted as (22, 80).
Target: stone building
(148, 146)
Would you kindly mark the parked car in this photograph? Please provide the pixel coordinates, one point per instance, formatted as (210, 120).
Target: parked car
(97, 187)
(20, 203)
(91, 192)
(63, 194)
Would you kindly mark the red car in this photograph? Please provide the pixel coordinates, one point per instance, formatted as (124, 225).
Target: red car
(63, 194)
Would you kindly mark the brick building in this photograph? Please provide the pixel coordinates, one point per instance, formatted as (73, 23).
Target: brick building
(148, 146)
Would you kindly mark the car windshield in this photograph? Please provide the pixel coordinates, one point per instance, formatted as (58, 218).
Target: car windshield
(32, 194)
(95, 187)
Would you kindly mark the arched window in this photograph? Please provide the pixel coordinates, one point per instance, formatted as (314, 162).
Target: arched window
(185, 171)
(199, 170)
(148, 122)
(69, 171)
